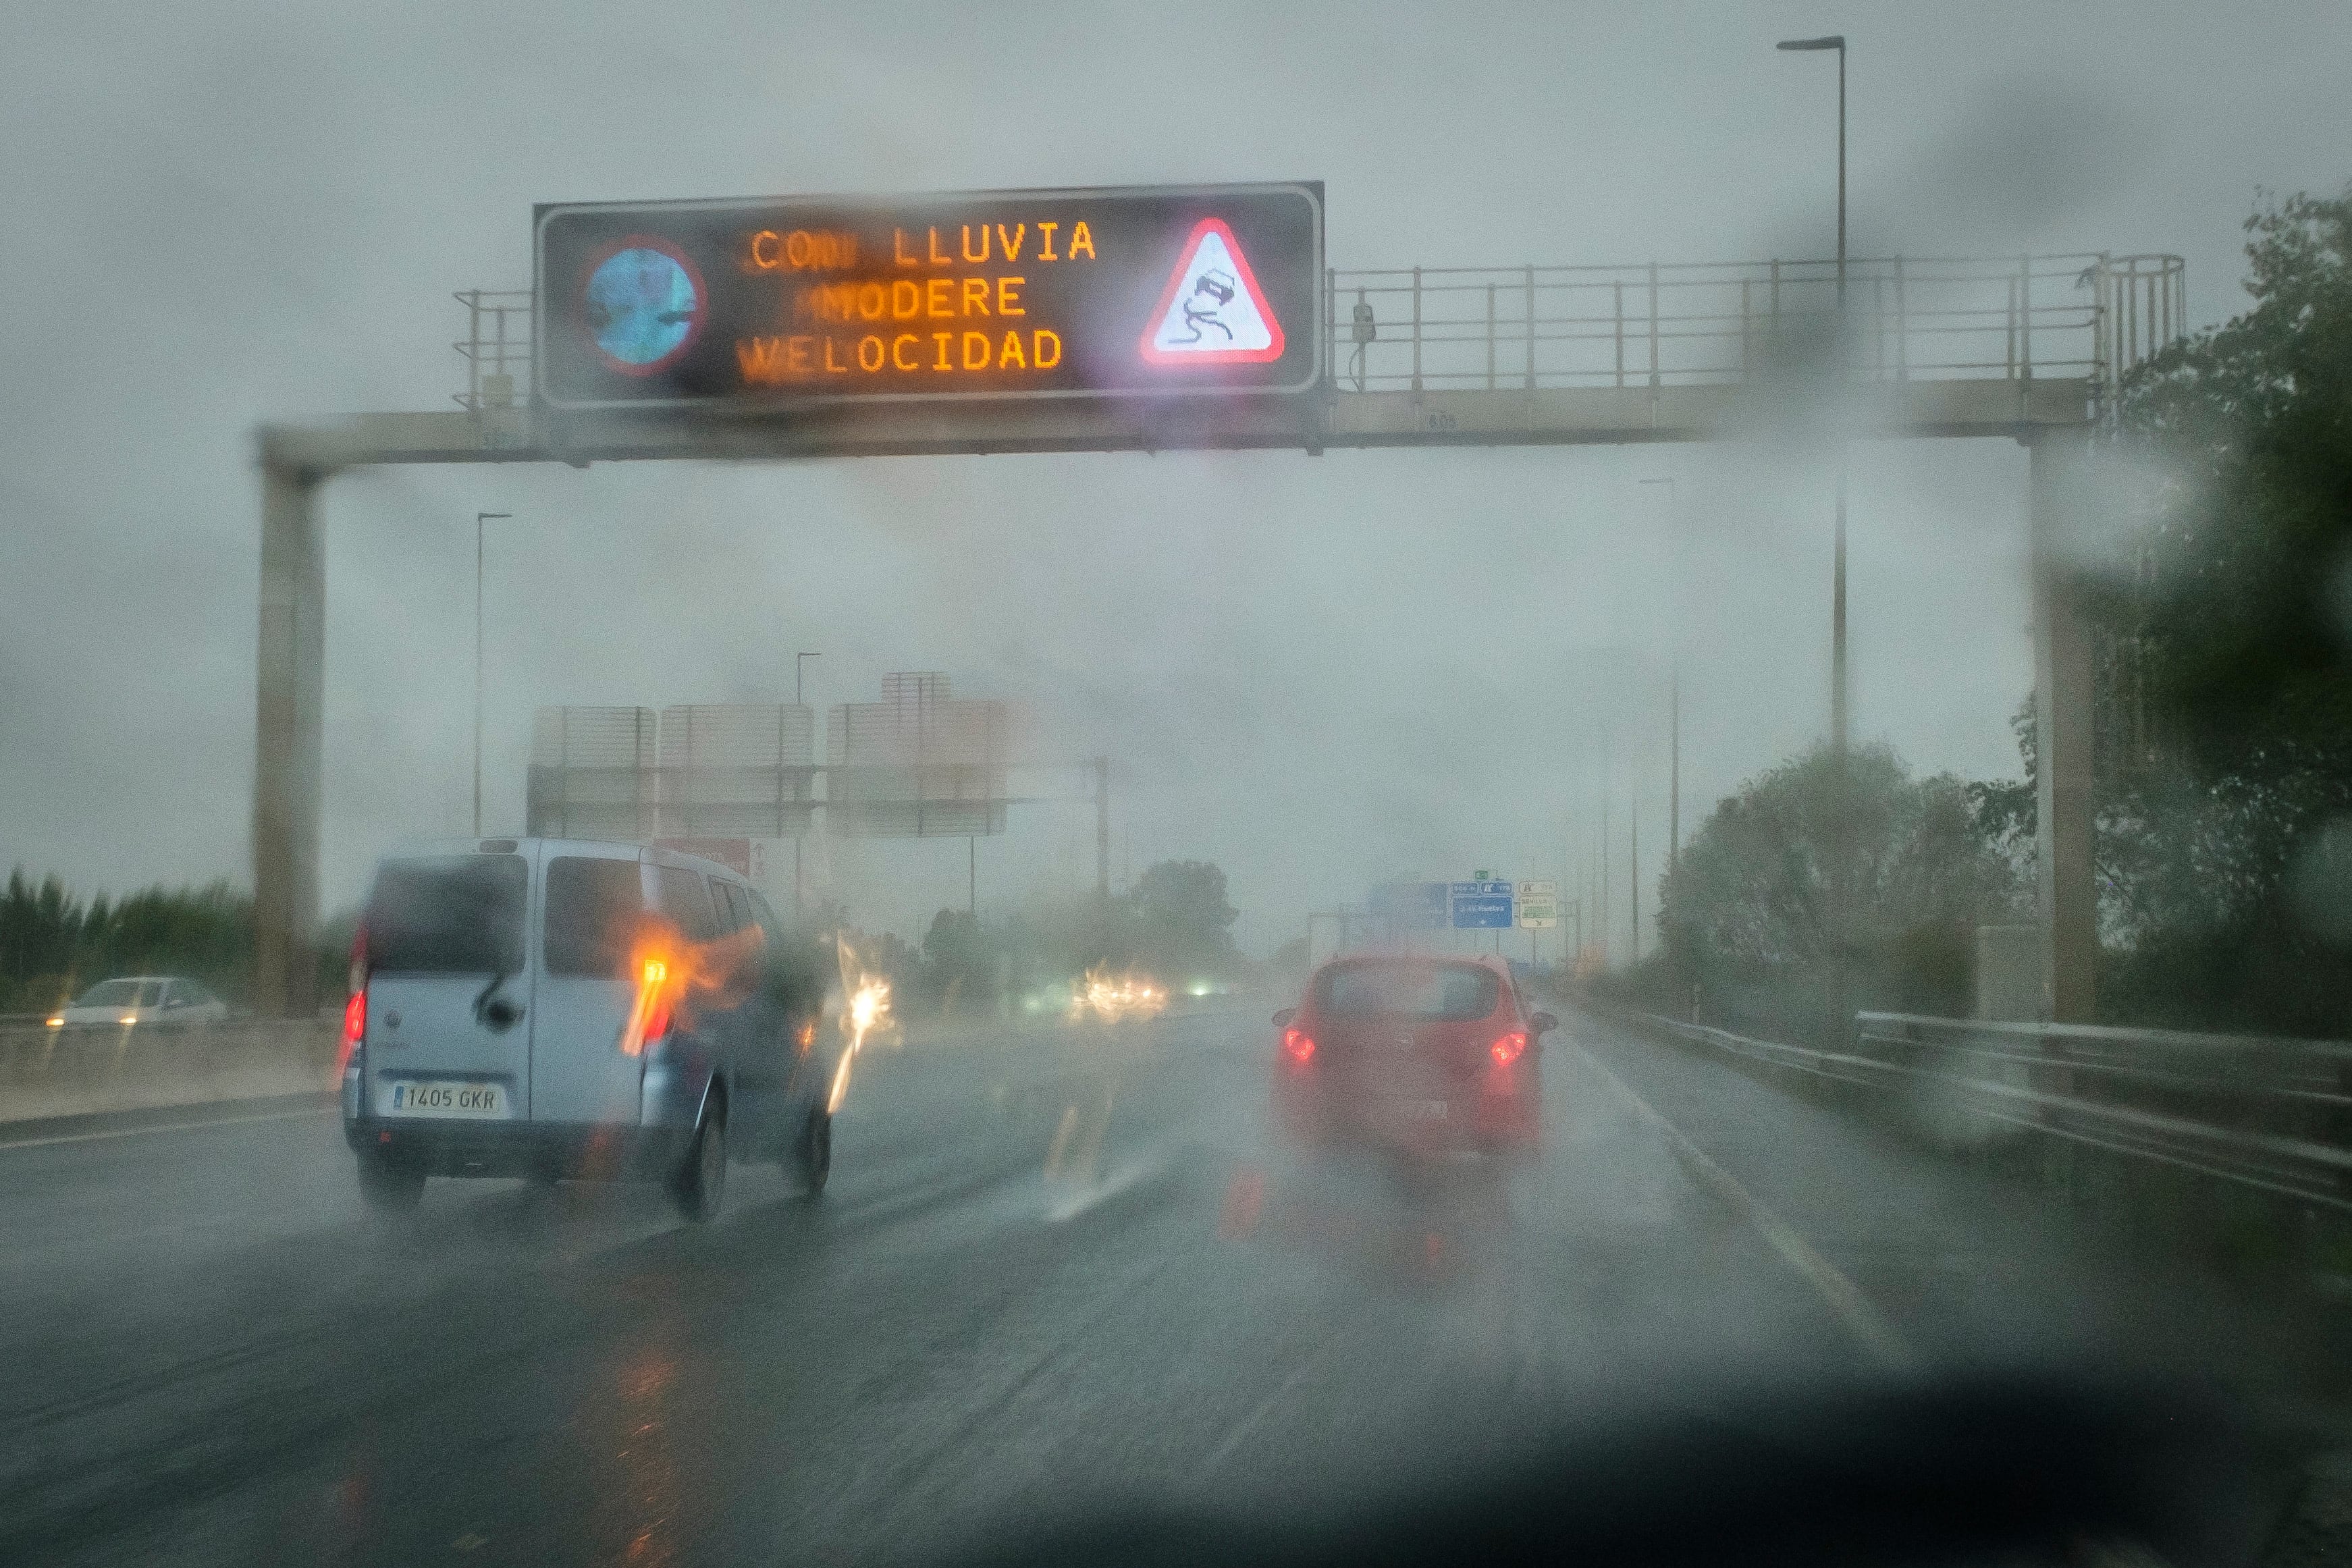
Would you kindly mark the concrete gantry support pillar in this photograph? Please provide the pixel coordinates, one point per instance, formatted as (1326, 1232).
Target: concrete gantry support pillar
(2065, 816)
(286, 752)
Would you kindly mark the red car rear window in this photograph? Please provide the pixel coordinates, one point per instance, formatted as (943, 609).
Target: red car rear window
(1438, 993)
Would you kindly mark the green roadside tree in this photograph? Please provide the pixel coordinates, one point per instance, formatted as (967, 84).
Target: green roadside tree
(1745, 912)
(2227, 859)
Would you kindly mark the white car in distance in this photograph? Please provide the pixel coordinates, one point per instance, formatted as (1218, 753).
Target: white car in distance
(140, 999)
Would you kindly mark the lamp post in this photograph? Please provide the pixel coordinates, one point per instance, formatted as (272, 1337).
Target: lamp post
(1837, 582)
(1673, 701)
(479, 519)
(800, 663)
(1837, 878)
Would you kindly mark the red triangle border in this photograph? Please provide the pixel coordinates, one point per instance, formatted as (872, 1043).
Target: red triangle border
(1205, 358)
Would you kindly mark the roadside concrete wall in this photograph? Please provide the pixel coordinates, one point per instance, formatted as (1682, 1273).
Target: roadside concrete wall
(75, 1072)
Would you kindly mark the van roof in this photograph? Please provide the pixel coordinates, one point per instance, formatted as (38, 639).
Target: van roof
(598, 849)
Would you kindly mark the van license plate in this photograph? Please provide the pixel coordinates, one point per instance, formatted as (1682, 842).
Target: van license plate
(446, 1099)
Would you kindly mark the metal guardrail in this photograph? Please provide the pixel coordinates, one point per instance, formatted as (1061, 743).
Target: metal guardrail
(2089, 316)
(2256, 1110)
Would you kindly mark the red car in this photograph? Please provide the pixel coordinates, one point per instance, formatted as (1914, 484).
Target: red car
(1438, 1057)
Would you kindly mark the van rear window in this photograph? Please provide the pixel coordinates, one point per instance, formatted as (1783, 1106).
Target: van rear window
(460, 915)
(594, 907)
(1441, 993)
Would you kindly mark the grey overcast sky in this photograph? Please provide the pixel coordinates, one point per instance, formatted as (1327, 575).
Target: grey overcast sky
(1317, 672)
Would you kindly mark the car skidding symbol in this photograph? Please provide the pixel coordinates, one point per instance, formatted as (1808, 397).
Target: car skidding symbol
(1219, 286)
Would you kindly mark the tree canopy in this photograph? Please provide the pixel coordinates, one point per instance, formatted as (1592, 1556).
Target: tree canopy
(1745, 914)
(2226, 858)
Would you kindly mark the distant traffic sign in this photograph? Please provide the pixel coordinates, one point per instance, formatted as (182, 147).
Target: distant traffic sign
(1145, 291)
(1482, 906)
(1539, 906)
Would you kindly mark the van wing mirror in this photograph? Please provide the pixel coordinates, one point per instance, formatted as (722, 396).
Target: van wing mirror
(1543, 1023)
(1281, 1019)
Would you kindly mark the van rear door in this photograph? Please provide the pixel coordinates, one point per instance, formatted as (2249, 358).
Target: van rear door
(594, 916)
(448, 988)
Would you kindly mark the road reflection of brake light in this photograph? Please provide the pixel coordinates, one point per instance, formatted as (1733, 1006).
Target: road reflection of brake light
(1298, 1045)
(1507, 1047)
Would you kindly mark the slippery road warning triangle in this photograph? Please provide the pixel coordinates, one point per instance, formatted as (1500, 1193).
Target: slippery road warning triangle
(1213, 312)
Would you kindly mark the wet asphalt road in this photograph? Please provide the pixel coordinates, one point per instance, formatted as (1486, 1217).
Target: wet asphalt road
(1056, 1272)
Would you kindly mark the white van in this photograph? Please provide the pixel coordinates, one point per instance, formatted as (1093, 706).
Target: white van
(557, 1008)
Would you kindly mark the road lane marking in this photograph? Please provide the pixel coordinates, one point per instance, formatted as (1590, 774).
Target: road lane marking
(1256, 1418)
(8, 1144)
(1879, 1339)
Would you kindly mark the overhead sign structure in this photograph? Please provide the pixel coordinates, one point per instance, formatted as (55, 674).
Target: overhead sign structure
(1412, 906)
(1539, 906)
(1482, 907)
(1138, 292)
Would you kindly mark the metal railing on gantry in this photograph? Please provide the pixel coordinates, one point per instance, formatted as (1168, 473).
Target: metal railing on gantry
(2088, 317)
(495, 348)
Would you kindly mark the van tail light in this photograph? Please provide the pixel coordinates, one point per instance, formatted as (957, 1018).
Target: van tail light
(355, 1005)
(1298, 1045)
(355, 1026)
(1509, 1048)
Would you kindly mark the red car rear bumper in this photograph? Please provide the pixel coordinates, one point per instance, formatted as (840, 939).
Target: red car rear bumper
(1473, 1119)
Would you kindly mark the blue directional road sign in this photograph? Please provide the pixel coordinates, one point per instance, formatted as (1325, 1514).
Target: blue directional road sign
(1482, 907)
(1412, 906)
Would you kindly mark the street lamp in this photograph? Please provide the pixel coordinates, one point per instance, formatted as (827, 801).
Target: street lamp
(479, 519)
(1837, 582)
(1837, 42)
(800, 663)
(1673, 705)
(1838, 734)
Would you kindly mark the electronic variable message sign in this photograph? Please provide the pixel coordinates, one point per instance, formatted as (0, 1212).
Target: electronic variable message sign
(1147, 292)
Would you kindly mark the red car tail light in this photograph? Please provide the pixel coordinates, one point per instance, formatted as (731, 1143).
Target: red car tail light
(1298, 1045)
(1509, 1048)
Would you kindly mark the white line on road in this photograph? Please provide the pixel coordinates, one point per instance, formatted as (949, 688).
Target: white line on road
(1256, 1417)
(1879, 1339)
(8, 1144)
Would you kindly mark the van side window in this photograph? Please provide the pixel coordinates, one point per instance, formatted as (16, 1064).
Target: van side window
(594, 908)
(737, 911)
(685, 898)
